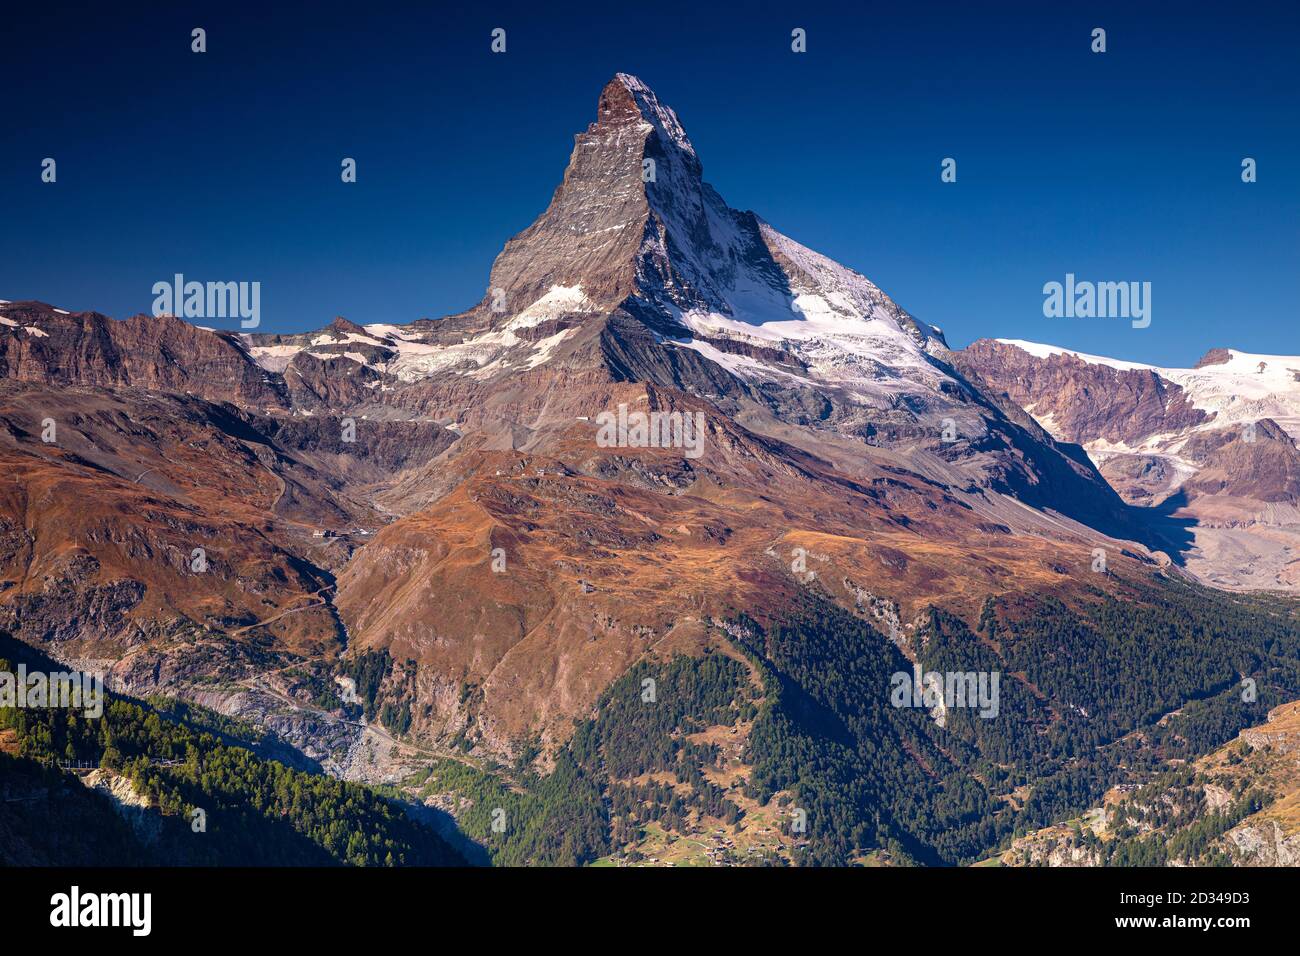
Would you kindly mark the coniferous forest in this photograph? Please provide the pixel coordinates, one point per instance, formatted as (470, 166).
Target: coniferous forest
(812, 691)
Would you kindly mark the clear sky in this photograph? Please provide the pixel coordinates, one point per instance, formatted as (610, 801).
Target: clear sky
(1123, 166)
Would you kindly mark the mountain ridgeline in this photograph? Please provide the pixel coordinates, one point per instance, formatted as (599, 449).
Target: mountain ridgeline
(472, 623)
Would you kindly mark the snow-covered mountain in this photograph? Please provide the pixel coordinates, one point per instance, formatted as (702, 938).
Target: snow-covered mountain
(633, 227)
(1213, 446)
(1230, 387)
(429, 508)
(639, 271)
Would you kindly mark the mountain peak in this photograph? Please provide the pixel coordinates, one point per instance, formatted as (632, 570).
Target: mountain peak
(1216, 356)
(626, 96)
(633, 223)
(345, 326)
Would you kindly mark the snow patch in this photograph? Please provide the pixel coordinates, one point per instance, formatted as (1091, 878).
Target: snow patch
(560, 300)
(332, 338)
(1038, 350)
(546, 347)
(416, 360)
(357, 357)
(1245, 388)
(396, 332)
(273, 358)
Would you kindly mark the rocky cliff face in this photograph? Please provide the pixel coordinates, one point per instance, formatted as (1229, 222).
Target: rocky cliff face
(1259, 464)
(581, 253)
(441, 494)
(39, 343)
(1084, 401)
(1212, 447)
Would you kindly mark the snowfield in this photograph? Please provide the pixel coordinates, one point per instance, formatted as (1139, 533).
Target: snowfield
(1246, 388)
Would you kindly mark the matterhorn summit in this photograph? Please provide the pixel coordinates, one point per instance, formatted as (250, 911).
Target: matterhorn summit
(634, 228)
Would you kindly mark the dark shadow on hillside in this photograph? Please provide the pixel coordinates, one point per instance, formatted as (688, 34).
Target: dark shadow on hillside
(444, 824)
(242, 830)
(1163, 526)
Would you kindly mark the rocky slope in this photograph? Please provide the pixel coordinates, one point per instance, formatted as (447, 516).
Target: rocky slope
(435, 513)
(1239, 805)
(39, 343)
(1212, 447)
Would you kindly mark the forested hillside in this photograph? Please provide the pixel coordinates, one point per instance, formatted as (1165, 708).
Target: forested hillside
(253, 811)
(1147, 681)
(779, 745)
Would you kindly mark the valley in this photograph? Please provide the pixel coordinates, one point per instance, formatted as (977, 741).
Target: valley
(458, 591)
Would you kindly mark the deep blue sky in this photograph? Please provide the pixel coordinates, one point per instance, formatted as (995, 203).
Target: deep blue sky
(223, 166)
